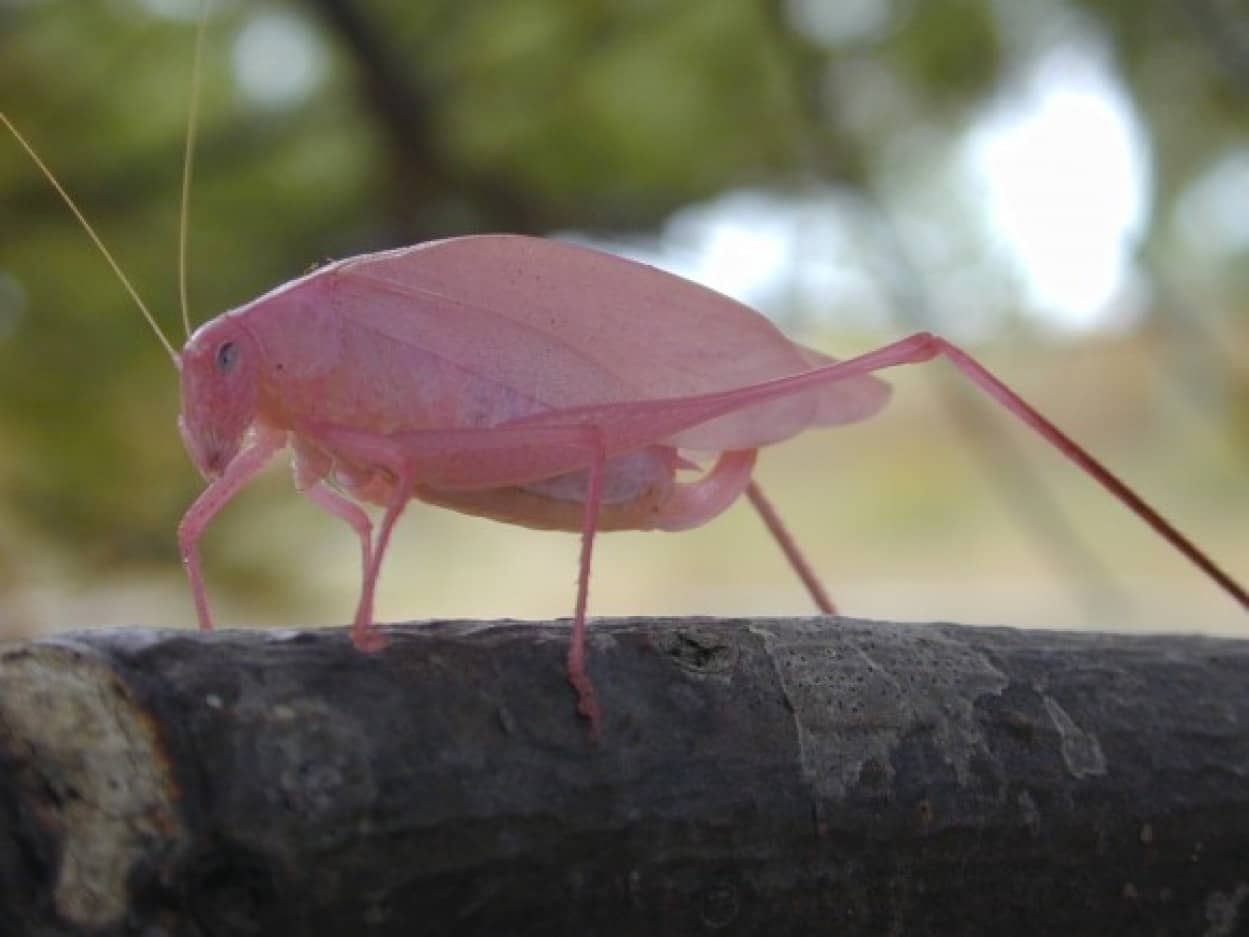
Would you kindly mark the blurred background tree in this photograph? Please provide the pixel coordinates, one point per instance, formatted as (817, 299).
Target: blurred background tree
(1062, 185)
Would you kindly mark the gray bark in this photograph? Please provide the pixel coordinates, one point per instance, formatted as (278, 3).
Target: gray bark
(754, 777)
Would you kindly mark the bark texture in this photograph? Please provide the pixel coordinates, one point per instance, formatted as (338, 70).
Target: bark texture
(755, 777)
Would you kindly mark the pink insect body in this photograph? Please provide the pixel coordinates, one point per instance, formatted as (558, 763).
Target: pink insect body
(501, 376)
(534, 382)
(530, 381)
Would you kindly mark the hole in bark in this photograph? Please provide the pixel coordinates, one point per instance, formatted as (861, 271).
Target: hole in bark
(697, 652)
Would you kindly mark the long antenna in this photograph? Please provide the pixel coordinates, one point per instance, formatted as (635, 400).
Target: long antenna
(94, 237)
(188, 159)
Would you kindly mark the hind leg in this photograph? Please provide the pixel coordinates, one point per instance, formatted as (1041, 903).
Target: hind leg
(786, 542)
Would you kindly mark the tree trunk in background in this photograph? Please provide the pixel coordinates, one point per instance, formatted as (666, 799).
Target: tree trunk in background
(754, 777)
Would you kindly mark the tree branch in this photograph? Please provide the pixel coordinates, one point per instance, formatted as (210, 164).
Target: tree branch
(755, 777)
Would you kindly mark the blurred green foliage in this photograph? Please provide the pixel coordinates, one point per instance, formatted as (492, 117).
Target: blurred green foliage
(444, 117)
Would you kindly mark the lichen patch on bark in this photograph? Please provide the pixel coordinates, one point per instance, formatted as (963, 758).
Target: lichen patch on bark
(92, 771)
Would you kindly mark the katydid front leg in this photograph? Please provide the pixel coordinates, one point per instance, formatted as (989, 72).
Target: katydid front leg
(241, 469)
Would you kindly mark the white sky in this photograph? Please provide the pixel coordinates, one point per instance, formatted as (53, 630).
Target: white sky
(278, 60)
(1214, 213)
(1064, 170)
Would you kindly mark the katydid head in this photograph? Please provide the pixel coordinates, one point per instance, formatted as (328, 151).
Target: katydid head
(219, 375)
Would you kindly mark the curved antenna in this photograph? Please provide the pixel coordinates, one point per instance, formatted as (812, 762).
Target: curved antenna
(151, 320)
(188, 159)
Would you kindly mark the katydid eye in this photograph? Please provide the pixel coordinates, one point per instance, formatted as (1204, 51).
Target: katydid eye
(227, 357)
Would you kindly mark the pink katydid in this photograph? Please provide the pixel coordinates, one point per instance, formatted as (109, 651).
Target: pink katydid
(531, 381)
